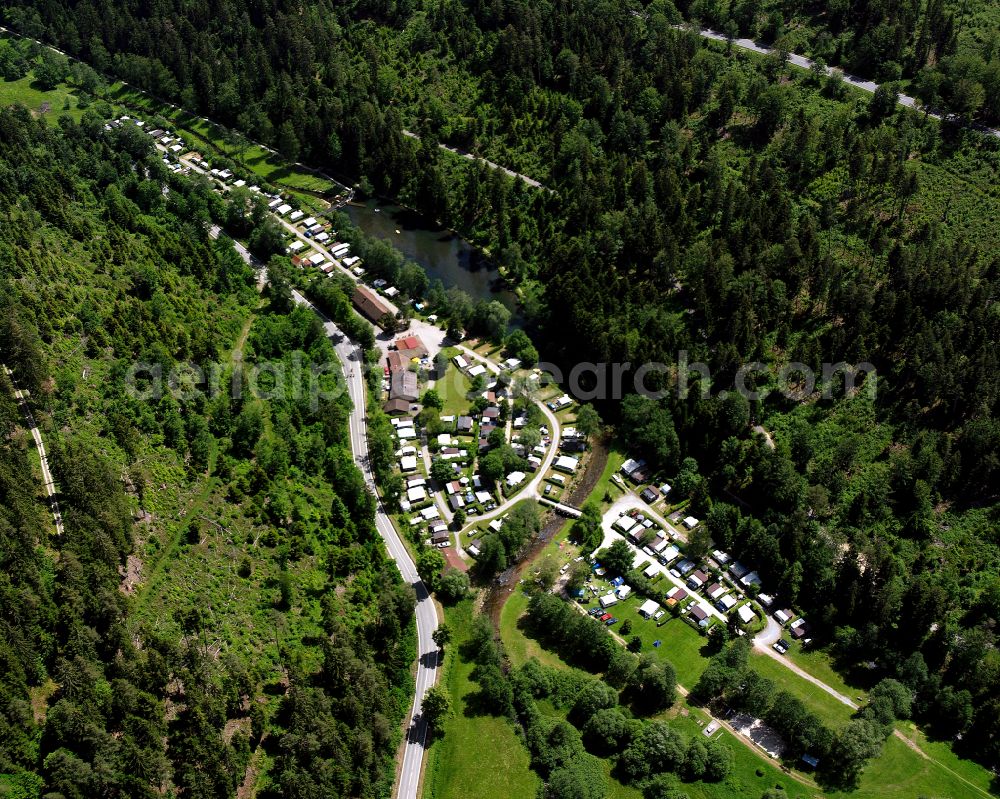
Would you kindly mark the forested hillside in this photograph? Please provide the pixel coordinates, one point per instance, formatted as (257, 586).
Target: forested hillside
(947, 52)
(219, 608)
(702, 200)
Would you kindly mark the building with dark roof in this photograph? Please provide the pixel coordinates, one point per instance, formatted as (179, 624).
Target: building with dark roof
(369, 304)
(396, 407)
(403, 385)
(397, 361)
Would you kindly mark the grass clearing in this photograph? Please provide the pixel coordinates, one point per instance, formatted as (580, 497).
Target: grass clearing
(518, 646)
(833, 712)
(454, 389)
(680, 643)
(478, 756)
(817, 663)
(947, 760)
(900, 773)
(48, 104)
(605, 485)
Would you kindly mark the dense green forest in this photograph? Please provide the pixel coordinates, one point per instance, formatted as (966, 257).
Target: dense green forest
(219, 608)
(947, 53)
(701, 200)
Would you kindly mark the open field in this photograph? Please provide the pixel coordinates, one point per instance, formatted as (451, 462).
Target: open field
(946, 758)
(454, 389)
(616, 457)
(49, 104)
(476, 756)
(833, 713)
(518, 646)
(817, 663)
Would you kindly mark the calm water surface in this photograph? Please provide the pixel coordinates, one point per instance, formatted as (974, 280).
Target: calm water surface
(444, 255)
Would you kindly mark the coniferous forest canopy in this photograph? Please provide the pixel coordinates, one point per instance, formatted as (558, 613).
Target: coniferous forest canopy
(296, 646)
(701, 200)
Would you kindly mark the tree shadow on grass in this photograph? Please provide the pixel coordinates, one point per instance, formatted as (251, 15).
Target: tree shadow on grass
(524, 626)
(475, 705)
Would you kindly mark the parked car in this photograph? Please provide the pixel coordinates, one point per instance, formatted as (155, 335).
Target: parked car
(605, 616)
(611, 621)
(781, 646)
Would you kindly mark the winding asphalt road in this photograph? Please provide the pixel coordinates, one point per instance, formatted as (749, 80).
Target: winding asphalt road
(851, 80)
(428, 655)
(530, 491)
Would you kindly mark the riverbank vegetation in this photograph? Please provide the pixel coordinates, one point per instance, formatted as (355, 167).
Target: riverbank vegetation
(704, 201)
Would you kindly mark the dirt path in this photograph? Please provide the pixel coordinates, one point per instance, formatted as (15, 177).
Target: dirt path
(765, 649)
(237, 352)
(48, 482)
(471, 157)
